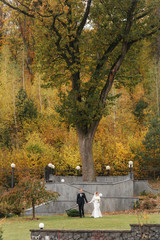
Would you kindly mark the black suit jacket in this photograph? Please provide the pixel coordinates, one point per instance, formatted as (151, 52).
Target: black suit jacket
(81, 198)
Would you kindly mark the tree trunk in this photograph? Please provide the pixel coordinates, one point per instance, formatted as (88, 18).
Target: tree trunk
(14, 113)
(40, 98)
(1, 26)
(86, 151)
(23, 74)
(157, 85)
(33, 209)
(114, 115)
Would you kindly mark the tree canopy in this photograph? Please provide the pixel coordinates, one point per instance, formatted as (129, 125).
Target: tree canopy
(80, 47)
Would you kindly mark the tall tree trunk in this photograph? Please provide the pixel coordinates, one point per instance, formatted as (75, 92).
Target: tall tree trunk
(86, 151)
(157, 75)
(1, 26)
(39, 91)
(23, 74)
(114, 114)
(157, 67)
(14, 113)
(33, 209)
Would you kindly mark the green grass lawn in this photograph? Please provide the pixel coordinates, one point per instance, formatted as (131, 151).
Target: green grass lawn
(17, 228)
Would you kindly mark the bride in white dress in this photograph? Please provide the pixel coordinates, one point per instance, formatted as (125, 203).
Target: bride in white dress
(96, 202)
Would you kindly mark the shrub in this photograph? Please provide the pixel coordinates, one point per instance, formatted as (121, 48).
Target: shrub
(136, 205)
(151, 195)
(72, 212)
(143, 193)
(5, 209)
(148, 204)
(154, 196)
(8, 210)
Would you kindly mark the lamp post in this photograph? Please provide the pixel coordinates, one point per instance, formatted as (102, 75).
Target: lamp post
(52, 167)
(130, 163)
(78, 168)
(12, 178)
(41, 225)
(108, 169)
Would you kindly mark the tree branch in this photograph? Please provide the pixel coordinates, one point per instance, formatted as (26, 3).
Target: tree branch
(84, 19)
(125, 47)
(64, 56)
(145, 13)
(63, 24)
(25, 12)
(17, 9)
(105, 55)
(23, 4)
(114, 69)
(117, 41)
(143, 36)
(130, 17)
(102, 61)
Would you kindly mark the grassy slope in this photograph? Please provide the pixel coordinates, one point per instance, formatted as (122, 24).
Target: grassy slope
(18, 227)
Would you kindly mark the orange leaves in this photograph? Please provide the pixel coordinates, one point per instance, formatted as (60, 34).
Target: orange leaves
(28, 192)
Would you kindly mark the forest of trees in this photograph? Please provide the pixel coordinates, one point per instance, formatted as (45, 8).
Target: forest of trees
(73, 74)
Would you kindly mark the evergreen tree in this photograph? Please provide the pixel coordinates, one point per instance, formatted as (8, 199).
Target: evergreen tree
(138, 110)
(151, 143)
(25, 106)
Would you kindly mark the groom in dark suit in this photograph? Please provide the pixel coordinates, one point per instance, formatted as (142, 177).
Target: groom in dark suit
(81, 199)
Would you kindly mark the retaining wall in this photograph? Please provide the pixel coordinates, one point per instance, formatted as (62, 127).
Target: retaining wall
(142, 185)
(118, 192)
(69, 191)
(107, 205)
(116, 197)
(137, 232)
(138, 185)
(77, 179)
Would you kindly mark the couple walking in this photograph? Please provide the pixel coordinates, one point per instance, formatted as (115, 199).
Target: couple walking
(81, 199)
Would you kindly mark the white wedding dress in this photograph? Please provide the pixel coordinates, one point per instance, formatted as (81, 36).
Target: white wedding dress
(96, 211)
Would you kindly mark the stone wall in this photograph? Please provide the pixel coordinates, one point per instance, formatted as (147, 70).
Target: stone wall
(109, 204)
(142, 185)
(137, 232)
(77, 179)
(117, 196)
(118, 192)
(138, 185)
(69, 191)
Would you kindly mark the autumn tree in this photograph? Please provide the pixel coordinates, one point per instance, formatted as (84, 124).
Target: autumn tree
(86, 58)
(28, 192)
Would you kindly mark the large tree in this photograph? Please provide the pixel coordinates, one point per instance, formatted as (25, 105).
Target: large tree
(83, 46)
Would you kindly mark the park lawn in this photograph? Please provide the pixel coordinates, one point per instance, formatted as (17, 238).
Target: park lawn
(17, 228)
